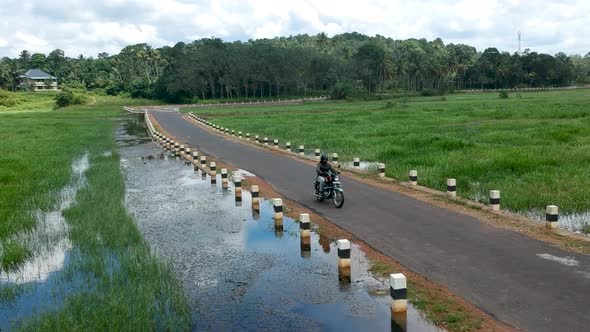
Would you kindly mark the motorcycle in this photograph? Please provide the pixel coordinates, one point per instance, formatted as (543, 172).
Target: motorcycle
(332, 190)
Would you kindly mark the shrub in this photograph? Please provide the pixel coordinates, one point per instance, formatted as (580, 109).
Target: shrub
(69, 97)
(342, 90)
(428, 93)
(503, 94)
(390, 104)
(8, 99)
(443, 98)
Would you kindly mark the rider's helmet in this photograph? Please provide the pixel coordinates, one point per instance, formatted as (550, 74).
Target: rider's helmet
(324, 158)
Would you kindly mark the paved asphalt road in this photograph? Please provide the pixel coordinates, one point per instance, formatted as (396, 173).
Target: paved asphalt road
(526, 283)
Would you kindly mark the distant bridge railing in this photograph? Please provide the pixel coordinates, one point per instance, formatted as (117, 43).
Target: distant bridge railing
(175, 108)
(134, 110)
(251, 103)
(549, 88)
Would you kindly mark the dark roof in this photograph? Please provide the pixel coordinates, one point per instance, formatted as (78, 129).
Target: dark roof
(37, 74)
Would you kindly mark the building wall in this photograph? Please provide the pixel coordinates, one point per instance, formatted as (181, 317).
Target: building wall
(39, 85)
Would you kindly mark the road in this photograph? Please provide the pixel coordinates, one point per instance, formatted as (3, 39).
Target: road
(518, 280)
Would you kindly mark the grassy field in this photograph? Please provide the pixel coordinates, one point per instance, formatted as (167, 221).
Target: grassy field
(118, 283)
(534, 147)
(23, 102)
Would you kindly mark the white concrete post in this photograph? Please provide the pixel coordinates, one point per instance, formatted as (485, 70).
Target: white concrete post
(276, 143)
(255, 197)
(335, 159)
(301, 150)
(288, 146)
(414, 177)
(356, 163)
(452, 187)
(247, 136)
(224, 181)
(238, 188)
(343, 246)
(551, 216)
(213, 172)
(381, 170)
(176, 148)
(399, 293)
(316, 154)
(278, 216)
(278, 208)
(203, 162)
(305, 238)
(304, 225)
(495, 199)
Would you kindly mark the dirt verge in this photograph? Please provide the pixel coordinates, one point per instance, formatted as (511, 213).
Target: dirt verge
(444, 308)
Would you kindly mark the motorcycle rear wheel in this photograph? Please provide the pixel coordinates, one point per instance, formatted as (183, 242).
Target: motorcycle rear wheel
(338, 199)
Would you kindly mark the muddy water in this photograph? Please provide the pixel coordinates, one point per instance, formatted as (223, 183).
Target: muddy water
(238, 271)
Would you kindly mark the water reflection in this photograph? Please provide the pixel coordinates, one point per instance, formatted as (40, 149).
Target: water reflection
(244, 270)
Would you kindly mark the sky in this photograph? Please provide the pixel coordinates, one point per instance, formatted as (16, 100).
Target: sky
(90, 27)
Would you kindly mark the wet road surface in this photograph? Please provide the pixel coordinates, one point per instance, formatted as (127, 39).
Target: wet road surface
(519, 280)
(238, 272)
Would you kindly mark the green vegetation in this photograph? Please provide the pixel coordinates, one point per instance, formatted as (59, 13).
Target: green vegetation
(348, 64)
(535, 149)
(14, 101)
(68, 97)
(115, 282)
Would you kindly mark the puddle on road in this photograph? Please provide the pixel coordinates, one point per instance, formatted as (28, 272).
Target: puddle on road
(238, 271)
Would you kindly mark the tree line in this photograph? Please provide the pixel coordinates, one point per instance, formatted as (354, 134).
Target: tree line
(299, 65)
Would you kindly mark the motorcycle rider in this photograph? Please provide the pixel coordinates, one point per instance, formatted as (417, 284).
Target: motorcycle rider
(322, 172)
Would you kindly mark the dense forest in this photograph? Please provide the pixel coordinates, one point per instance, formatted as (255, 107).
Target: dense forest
(298, 66)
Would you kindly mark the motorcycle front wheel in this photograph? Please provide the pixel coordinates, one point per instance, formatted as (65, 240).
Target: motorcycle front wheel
(338, 199)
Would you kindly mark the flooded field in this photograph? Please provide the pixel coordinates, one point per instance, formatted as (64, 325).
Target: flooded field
(238, 271)
(38, 285)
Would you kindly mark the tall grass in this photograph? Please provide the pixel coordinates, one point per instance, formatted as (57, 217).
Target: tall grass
(26, 101)
(128, 288)
(535, 149)
(119, 284)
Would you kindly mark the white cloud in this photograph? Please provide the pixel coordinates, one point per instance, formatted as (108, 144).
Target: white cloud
(90, 27)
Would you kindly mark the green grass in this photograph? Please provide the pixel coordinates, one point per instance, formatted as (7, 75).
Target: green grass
(118, 283)
(30, 101)
(534, 149)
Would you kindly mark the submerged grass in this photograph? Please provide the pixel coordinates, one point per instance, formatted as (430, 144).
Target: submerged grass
(130, 288)
(535, 149)
(119, 284)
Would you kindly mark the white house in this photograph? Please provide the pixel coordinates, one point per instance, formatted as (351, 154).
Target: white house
(37, 80)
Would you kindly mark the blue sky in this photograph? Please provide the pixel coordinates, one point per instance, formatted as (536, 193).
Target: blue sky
(89, 27)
